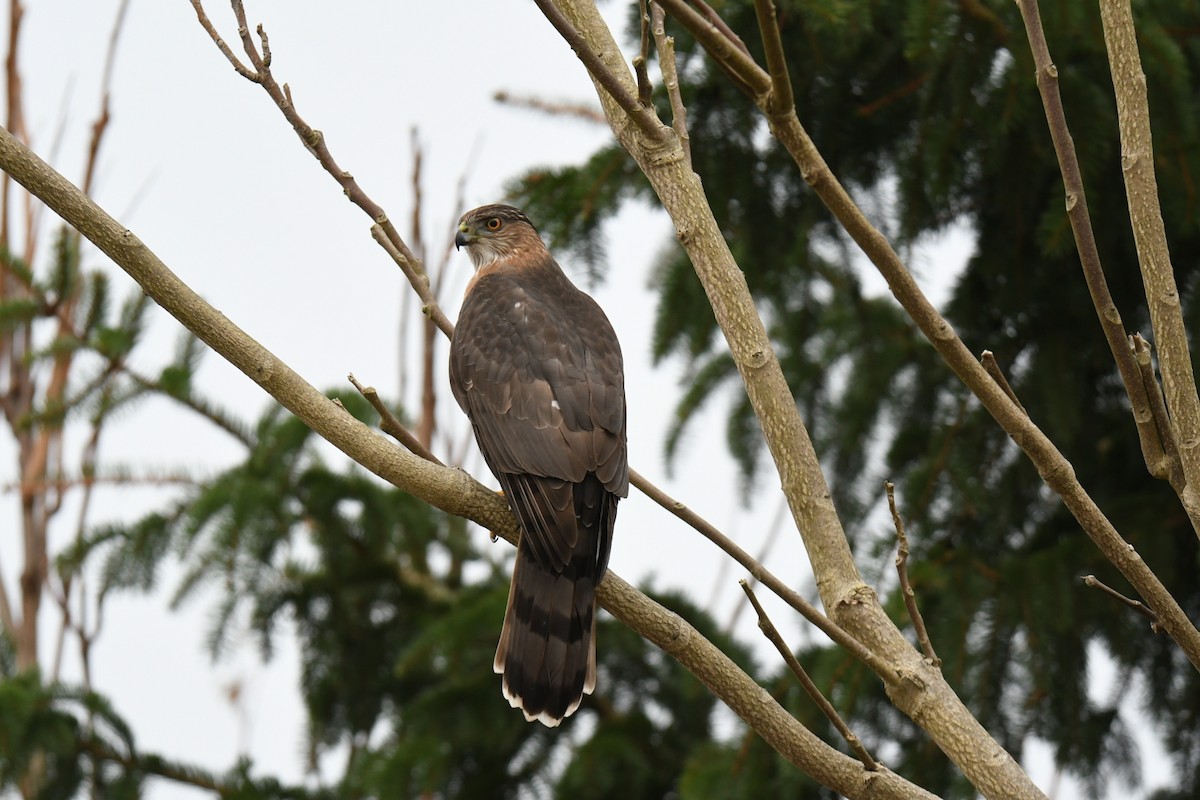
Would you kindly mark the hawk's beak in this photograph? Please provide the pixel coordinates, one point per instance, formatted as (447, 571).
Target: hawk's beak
(462, 238)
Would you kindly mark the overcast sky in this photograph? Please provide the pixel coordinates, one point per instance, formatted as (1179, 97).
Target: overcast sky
(202, 166)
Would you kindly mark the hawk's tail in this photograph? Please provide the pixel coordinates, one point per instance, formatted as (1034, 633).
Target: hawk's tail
(547, 651)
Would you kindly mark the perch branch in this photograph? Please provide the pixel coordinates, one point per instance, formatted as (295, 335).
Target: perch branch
(449, 489)
(769, 630)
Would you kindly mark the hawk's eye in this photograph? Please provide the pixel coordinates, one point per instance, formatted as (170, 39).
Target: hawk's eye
(493, 224)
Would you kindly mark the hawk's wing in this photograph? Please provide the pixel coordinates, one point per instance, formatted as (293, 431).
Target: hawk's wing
(536, 366)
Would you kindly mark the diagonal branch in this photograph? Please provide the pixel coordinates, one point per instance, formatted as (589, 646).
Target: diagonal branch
(314, 141)
(769, 630)
(781, 85)
(1150, 236)
(1054, 468)
(641, 115)
(765, 577)
(1153, 447)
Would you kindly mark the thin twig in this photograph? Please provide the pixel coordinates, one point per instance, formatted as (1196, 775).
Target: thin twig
(642, 116)
(383, 231)
(1158, 410)
(667, 66)
(392, 426)
(765, 577)
(726, 49)
(418, 279)
(769, 630)
(101, 123)
(1136, 605)
(992, 367)
(554, 109)
(645, 90)
(906, 590)
(781, 85)
(1085, 242)
(1150, 237)
(206, 23)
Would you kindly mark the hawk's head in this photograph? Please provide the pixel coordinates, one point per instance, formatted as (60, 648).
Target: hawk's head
(493, 232)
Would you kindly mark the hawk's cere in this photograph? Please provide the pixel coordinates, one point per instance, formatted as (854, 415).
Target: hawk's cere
(537, 367)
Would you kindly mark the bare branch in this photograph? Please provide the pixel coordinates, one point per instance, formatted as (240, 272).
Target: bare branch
(392, 426)
(206, 23)
(101, 123)
(645, 90)
(1150, 236)
(450, 489)
(1089, 255)
(769, 630)
(1139, 607)
(588, 113)
(641, 116)
(760, 573)
(383, 231)
(906, 590)
(665, 45)
(1051, 464)
(781, 97)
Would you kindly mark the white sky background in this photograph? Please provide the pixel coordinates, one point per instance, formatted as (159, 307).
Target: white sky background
(222, 190)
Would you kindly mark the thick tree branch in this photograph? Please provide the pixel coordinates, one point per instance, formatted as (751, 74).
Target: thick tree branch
(1150, 236)
(921, 691)
(451, 490)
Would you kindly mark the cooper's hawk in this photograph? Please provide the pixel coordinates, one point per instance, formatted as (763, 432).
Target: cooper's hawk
(537, 368)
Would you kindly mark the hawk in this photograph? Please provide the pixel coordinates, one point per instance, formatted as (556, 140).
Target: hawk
(537, 368)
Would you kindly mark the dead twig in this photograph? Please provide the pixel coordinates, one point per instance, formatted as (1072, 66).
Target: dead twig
(1136, 605)
(906, 590)
(992, 367)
